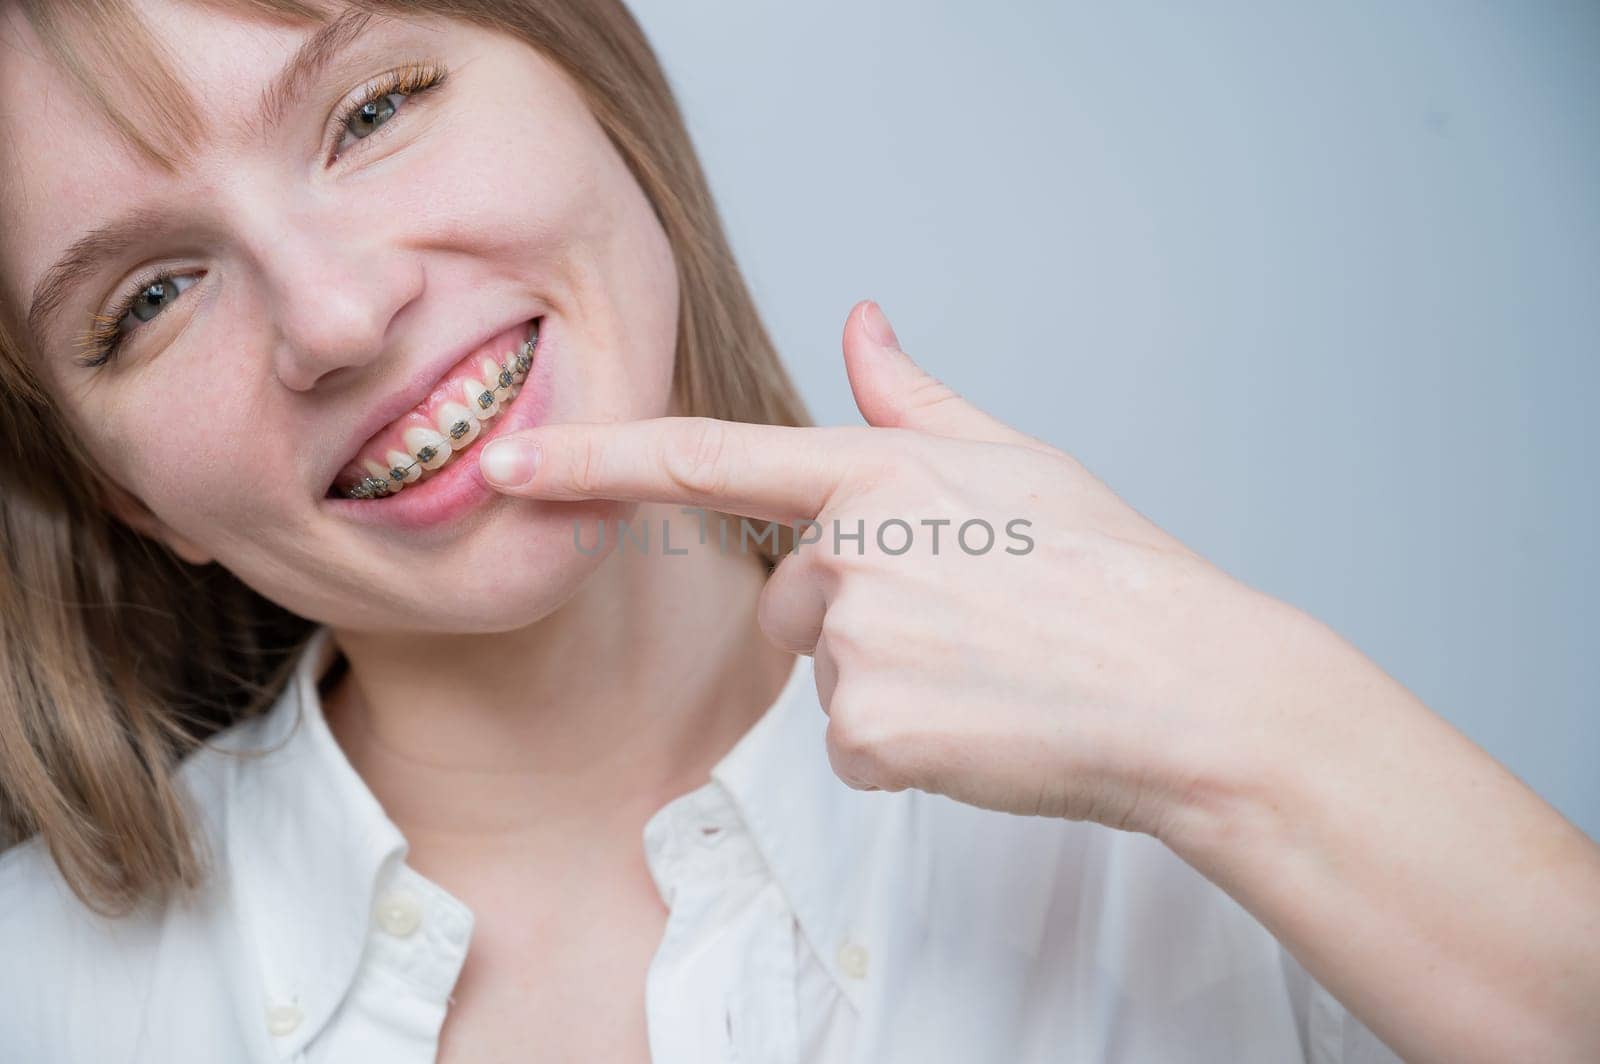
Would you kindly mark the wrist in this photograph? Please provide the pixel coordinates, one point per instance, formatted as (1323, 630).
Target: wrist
(1254, 784)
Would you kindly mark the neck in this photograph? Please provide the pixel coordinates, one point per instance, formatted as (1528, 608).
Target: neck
(578, 726)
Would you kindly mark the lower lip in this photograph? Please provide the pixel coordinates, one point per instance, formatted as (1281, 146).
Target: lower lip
(459, 487)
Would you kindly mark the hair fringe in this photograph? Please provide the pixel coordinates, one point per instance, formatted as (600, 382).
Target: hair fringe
(117, 658)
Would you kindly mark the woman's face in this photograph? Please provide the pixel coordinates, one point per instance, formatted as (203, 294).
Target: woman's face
(301, 286)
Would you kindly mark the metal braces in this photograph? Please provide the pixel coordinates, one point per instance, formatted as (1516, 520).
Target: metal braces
(376, 487)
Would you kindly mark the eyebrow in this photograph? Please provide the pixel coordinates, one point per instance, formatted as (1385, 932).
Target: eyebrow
(117, 237)
(317, 52)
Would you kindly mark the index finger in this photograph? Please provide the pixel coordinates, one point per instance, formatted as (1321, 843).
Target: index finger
(767, 472)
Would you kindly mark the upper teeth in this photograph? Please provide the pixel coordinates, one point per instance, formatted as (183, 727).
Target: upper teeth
(457, 424)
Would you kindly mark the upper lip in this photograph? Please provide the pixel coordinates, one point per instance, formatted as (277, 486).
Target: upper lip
(417, 388)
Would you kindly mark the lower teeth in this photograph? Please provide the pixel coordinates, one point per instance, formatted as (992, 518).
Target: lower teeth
(374, 487)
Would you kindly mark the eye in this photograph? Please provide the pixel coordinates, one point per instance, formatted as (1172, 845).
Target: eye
(367, 114)
(372, 108)
(154, 297)
(372, 114)
(144, 300)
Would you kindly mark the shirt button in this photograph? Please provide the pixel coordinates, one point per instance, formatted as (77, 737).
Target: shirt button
(283, 1019)
(853, 959)
(399, 913)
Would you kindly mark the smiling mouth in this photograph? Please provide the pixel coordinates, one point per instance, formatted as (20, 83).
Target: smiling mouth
(474, 392)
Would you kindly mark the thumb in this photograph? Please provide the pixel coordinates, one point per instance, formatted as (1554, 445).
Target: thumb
(892, 391)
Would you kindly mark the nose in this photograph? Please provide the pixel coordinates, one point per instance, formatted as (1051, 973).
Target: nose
(335, 286)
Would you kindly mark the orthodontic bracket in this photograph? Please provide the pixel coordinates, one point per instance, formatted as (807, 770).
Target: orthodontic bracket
(375, 487)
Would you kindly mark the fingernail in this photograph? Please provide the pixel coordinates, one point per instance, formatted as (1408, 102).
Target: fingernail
(509, 463)
(878, 327)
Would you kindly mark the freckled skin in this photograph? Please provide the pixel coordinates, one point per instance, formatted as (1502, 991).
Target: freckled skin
(326, 285)
(491, 655)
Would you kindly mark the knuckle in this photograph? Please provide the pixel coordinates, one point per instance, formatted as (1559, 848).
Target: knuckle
(695, 457)
(585, 471)
(844, 638)
(930, 393)
(850, 727)
(770, 603)
(775, 614)
(860, 742)
(773, 624)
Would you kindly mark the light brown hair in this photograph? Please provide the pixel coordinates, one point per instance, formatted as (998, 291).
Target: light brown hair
(116, 657)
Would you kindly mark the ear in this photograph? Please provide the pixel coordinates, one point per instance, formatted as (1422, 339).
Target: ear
(131, 511)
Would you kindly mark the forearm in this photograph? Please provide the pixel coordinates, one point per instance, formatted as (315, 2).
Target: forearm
(1443, 902)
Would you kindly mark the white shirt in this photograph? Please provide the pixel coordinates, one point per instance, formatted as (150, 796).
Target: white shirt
(809, 922)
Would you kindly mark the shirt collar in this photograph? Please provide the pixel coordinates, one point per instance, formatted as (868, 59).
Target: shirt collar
(816, 833)
(307, 843)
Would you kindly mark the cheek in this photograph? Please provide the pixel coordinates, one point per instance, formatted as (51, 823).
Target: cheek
(506, 165)
(541, 191)
(181, 451)
(652, 331)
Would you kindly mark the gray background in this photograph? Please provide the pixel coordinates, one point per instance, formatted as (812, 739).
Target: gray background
(1316, 287)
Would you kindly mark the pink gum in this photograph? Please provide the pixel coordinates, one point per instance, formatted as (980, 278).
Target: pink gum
(451, 389)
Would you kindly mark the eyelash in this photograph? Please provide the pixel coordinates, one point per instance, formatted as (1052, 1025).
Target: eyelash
(106, 337)
(411, 80)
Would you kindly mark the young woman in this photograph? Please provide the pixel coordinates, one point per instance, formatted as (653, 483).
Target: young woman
(338, 724)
